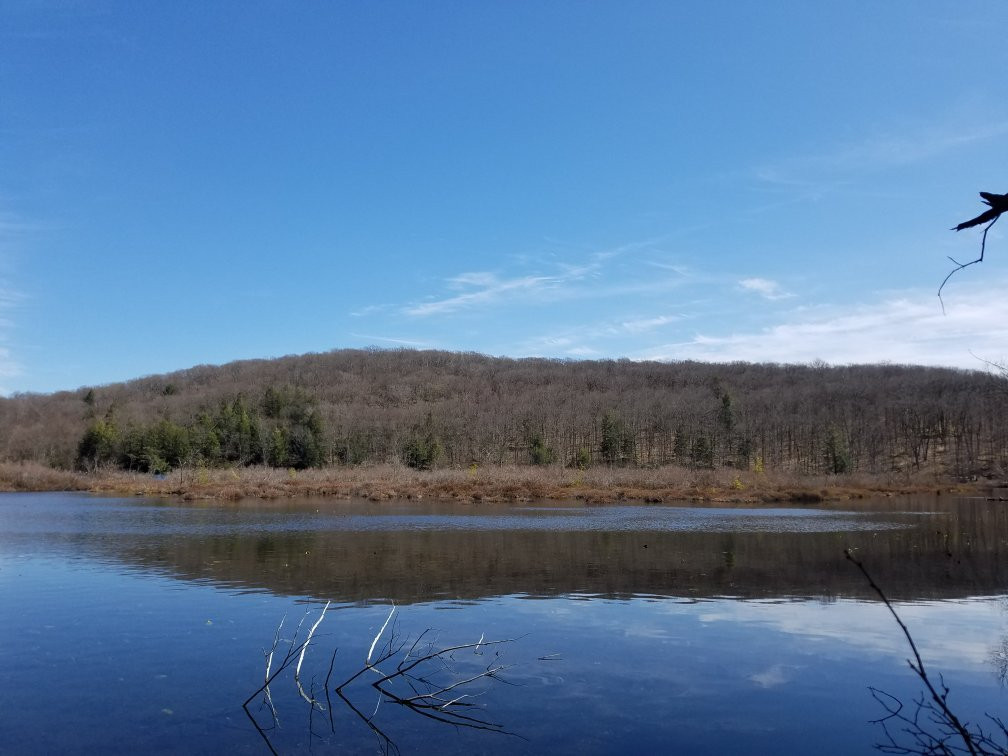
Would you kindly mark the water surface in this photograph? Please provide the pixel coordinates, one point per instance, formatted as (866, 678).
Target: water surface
(134, 624)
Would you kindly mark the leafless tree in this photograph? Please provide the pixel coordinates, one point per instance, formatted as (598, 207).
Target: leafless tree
(891, 418)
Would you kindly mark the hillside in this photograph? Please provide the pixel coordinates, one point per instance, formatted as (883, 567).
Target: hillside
(432, 408)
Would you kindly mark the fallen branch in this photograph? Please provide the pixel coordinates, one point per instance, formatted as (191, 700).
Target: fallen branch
(435, 690)
(304, 647)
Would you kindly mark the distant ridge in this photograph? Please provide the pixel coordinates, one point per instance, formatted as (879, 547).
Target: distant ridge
(371, 402)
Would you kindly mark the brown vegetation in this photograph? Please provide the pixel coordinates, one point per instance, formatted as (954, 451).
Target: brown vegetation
(32, 476)
(621, 419)
(506, 483)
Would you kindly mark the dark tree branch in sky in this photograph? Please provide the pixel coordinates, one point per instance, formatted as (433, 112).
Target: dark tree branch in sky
(998, 204)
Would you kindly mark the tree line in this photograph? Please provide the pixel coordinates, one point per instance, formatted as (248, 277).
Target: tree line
(427, 408)
(283, 429)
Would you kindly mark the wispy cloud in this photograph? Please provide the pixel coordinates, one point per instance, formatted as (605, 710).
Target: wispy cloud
(373, 309)
(648, 324)
(765, 288)
(393, 340)
(483, 288)
(603, 273)
(901, 329)
(896, 147)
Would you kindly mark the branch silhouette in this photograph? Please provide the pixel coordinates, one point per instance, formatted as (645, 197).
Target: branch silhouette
(998, 204)
(931, 727)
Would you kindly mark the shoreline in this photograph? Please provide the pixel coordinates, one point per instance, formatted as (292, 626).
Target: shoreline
(491, 484)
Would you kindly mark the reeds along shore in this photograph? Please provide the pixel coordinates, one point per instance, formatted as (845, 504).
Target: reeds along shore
(476, 484)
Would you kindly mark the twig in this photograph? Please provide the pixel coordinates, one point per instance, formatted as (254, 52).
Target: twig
(918, 667)
(420, 668)
(960, 266)
(375, 641)
(269, 662)
(304, 647)
(325, 687)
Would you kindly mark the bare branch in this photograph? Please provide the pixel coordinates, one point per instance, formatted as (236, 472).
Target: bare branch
(959, 265)
(375, 641)
(304, 647)
(436, 690)
(939, 699)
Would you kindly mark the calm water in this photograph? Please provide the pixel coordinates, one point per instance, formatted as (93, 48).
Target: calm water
(140, 625)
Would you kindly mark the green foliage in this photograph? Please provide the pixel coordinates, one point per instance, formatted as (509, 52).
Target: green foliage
(681, 445)
(422, 449)
(353, 448)
(234, 433)
(726, 415)
(422, 452)
(99, 445)
(539, 452)
(297, 438)
(238, 432)
(154, 449)
(204, 440)
(837, 453)
(702, 453)
(305, 447)
(286, 402)
(277, 448)
(744, 452)
(171, 441)
(581, 459)
(617, 443)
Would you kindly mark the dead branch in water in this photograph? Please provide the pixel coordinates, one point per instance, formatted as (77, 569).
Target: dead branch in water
(421, 677)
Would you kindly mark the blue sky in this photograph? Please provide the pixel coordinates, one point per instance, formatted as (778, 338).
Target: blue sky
(187, 182)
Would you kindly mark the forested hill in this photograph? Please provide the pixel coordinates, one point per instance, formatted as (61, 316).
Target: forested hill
(430, 408)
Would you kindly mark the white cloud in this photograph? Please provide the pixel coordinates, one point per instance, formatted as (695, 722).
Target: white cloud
(949, 634)
(562, 280)
(648, 324)
(369, 310)
(765, 288)
(393, 340)
(902, 329)
(773, 677)
(488, 289)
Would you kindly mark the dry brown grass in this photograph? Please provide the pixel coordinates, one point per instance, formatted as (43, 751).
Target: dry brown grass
(32, 476)
(492, 484)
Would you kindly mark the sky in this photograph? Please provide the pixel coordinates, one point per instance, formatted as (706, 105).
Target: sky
(190, 183)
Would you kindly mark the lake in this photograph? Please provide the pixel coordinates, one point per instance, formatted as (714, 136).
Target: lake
(143, 625)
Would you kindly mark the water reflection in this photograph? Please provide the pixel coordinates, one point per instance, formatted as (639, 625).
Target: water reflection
(353, 552)
(694, 629)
